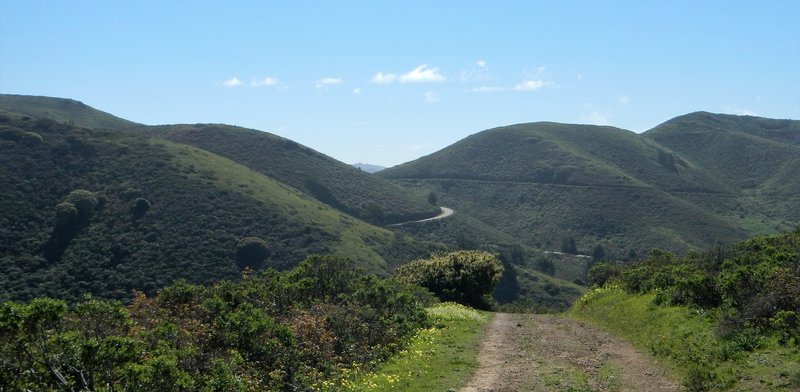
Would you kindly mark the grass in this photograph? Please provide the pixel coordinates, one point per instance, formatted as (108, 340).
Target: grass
(439, 358)
(685, 341)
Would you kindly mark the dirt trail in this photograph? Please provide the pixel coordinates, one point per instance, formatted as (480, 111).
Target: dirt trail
(529, 352)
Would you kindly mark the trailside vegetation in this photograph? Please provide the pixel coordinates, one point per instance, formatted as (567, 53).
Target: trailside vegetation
(724, 317)
(268, 331)
(466, 277)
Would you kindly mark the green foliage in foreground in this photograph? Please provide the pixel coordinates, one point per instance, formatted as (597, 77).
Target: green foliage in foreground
(269, 331)
(439, 358)
(725, 318)
(466, 277)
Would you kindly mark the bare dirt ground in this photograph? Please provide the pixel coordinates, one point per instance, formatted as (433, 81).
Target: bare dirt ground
(530, 352)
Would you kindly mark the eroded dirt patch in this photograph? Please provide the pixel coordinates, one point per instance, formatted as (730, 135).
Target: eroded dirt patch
(530, 352)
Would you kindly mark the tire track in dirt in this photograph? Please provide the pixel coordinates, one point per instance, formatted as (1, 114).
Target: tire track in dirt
(530, 352)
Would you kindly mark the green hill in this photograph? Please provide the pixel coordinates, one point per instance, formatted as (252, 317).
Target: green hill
(334, 183)
(62, 110)
(105, 212)
(545, 183)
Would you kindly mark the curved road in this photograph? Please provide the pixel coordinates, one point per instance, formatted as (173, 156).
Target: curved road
(444, 214)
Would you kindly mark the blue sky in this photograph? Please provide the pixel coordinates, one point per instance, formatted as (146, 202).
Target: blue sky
(388, 82)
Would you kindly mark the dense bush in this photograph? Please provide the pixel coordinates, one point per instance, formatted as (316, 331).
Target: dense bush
(251, 252)
(268, 331)
(466, 277)
(754, 284)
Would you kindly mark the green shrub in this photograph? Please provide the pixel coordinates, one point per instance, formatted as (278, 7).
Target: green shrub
(466, 277)
(601, 273)
(140, 207)
(66, 217)
(251, 252)
(84, 201)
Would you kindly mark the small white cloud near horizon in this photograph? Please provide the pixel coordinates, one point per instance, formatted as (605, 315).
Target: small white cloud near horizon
(357, 91)
(624, 99)
(740, 112)
(488, 89)
(531, 85)
(382, 78)
(328, 82)
(758, 98)
(232, 82)
(264, 82)
(423, 73)
(595, 117)
(477, 73)
(431, 97)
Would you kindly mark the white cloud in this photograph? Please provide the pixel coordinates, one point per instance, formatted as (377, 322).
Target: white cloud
(328, 82)
(477, 73)
(423, 73)
(488, 89)
(531, 85)
(740, 112)
(254, 82)
(758, 98)
(595, 117)
(580, 76)
(431, 96)
(624, 99)
(357, 91)
(232, 82)
(382, 78)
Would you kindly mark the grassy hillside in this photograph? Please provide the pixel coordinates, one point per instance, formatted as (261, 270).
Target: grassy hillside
(544, 183)
(62, 110)
(148, 211)
(726, 318)
(337, 184)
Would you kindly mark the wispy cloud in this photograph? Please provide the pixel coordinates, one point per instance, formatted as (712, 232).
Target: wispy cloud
(740, 111)
(263, 82)
(478, 72)
(423, 73)
(328, 82)
(357, 91)
(531, 85)
(595, 117)
(382, 78)
(431, 97)
(488, 89)
(232, 82)
(624, 99)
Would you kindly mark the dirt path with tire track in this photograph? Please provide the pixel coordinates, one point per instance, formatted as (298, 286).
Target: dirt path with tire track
(532, 352)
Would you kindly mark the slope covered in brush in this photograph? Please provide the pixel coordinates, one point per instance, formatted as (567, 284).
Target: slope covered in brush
(334, 183)
(105, 212)
(545, 183)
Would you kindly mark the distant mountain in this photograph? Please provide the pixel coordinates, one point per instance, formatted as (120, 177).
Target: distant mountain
(692, 182)
(367, 167)
(109, 209)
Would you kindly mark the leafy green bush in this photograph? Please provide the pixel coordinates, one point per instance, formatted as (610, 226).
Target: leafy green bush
(251, 252)
(268, 331)
(466, 277)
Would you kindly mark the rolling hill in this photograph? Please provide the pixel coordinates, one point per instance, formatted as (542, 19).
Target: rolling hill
(675, 187)
(102, 211)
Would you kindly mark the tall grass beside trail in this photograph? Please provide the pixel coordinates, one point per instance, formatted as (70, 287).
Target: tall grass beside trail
(439, 358)
(684, 339)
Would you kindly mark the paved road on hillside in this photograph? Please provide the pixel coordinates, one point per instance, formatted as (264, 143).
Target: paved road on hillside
(444, 214)
(532, 352)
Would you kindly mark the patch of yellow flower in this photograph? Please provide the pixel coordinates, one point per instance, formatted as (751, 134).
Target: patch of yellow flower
(408, 363)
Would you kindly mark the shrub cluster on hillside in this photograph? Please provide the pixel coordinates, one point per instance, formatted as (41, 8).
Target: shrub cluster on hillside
(466, 277)
(269, 331)
(754, 285)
